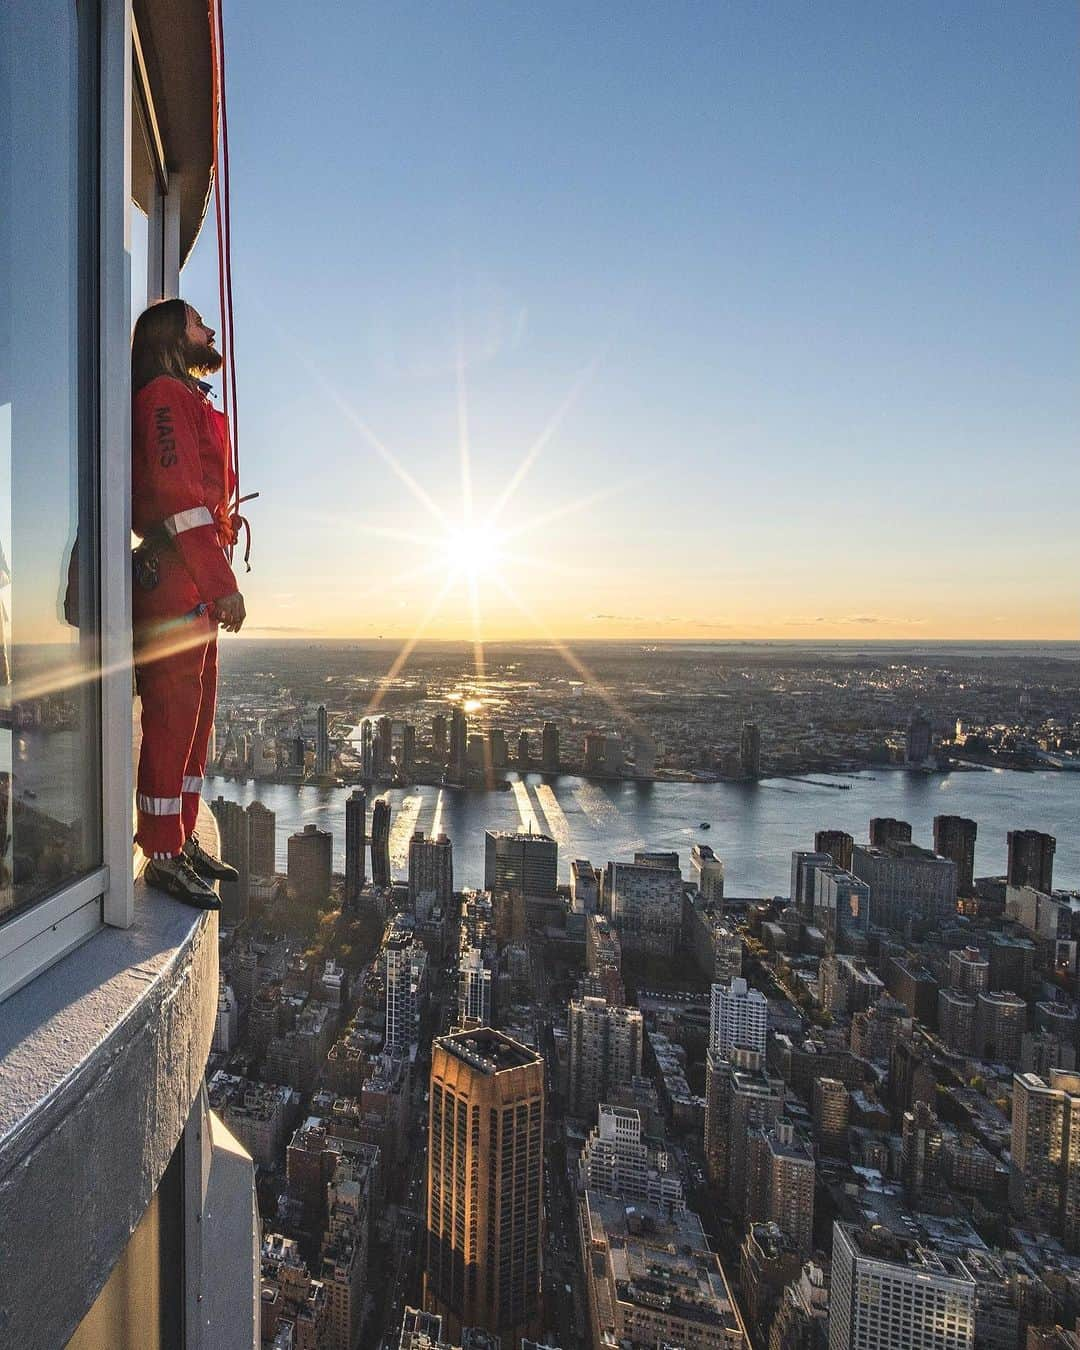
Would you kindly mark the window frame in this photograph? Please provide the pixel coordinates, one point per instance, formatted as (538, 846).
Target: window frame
(42, 934)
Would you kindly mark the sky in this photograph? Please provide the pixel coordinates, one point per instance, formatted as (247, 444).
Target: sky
(759, 320)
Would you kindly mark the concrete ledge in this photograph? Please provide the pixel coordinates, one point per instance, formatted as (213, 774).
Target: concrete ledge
(101, 1059)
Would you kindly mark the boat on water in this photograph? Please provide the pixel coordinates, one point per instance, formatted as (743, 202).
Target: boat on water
(704, 825)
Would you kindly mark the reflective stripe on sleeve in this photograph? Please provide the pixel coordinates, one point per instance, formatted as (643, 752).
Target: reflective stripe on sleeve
(187, 520)
(191, 784)
(158, 806)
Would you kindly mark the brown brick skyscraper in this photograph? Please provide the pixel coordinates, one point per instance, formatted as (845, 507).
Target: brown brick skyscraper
(485, 1184)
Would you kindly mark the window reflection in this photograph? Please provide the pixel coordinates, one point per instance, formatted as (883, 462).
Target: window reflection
(49, 716)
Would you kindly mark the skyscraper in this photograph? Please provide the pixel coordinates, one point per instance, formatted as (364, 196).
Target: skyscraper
(739, 1016)
(803, 867)
(384, 747)
(355, 844)
(1044, 1179)
(841, 909)
(750, 750)
(888, 1291)
(837, 844)
(431, 874)
(438, 738)
(780, 1186)
(458, 746)
(408, 750)
(605, 1051)
(380, 843)
(885, 831)
(739, 1096)
(954, 837)
(520, 863)
(1031, 859)
(262, 840)
(485, 1184)
(474, 989)
(406, 975)
(310, 859)
(367, 750)
(549, 748)
(707, 871)
(645, 902)
(233, 827)
(524, 755)
(322, 743)
(919, 739)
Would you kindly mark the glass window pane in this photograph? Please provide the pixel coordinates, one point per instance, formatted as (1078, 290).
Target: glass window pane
(50, 819)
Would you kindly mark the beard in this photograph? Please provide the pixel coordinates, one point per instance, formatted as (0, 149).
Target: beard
(201, 359)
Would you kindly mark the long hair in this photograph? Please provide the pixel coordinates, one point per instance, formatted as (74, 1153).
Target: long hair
(158, 345)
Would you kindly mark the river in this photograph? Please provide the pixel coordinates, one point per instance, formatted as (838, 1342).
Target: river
(754, 827)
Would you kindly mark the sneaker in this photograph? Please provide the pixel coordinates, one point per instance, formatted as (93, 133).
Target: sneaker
(178, 878)
(206, 864)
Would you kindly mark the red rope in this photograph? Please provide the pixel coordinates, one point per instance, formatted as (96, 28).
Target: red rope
(223, 218)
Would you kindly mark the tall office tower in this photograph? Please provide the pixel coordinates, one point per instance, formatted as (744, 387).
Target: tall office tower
(954, 837)
(956, 1020)
(1044, 1178)
(431, 874)
(644, 748)
(969, 970)
(804, 866)
(408, 750)
(645, 903)
(406, 976)
(780, 1182)
(920, 739)
(888, 1291)
(885, 831)
(739, 1017)
(524, 755)
(438, 737)
(707, 873)
(384, 746)
(485, 1216)
(841, 909)
(617, 1162)
(750, 750)
(549, 748)
(1000, 1023)
(584, 887)
(474, 989)
(458, 746)
(498, 751)
(355, 844)
(1031, 859)
(739, 1096)
(831, 1113)
(595, 760)
(235, 834)
(837, 845)
(380, 843)
(262, 840)
(367, 750)
(520, 863)
(605, 1051)
(310, 859)
(322, 742)
(907, 884)
(921, 1168)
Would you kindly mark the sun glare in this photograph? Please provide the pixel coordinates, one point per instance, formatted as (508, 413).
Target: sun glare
(473, 552)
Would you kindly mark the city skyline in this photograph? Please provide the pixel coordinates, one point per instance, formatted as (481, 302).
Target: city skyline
(670, 286)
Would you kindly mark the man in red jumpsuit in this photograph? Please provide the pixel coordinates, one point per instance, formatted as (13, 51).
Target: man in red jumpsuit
(183, 588)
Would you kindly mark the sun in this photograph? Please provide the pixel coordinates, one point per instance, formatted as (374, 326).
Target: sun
(473, 553)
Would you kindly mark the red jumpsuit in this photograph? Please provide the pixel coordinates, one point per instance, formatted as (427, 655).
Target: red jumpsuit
(181, 488)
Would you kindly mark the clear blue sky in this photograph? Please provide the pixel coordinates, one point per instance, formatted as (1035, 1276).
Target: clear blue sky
(819, 262)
